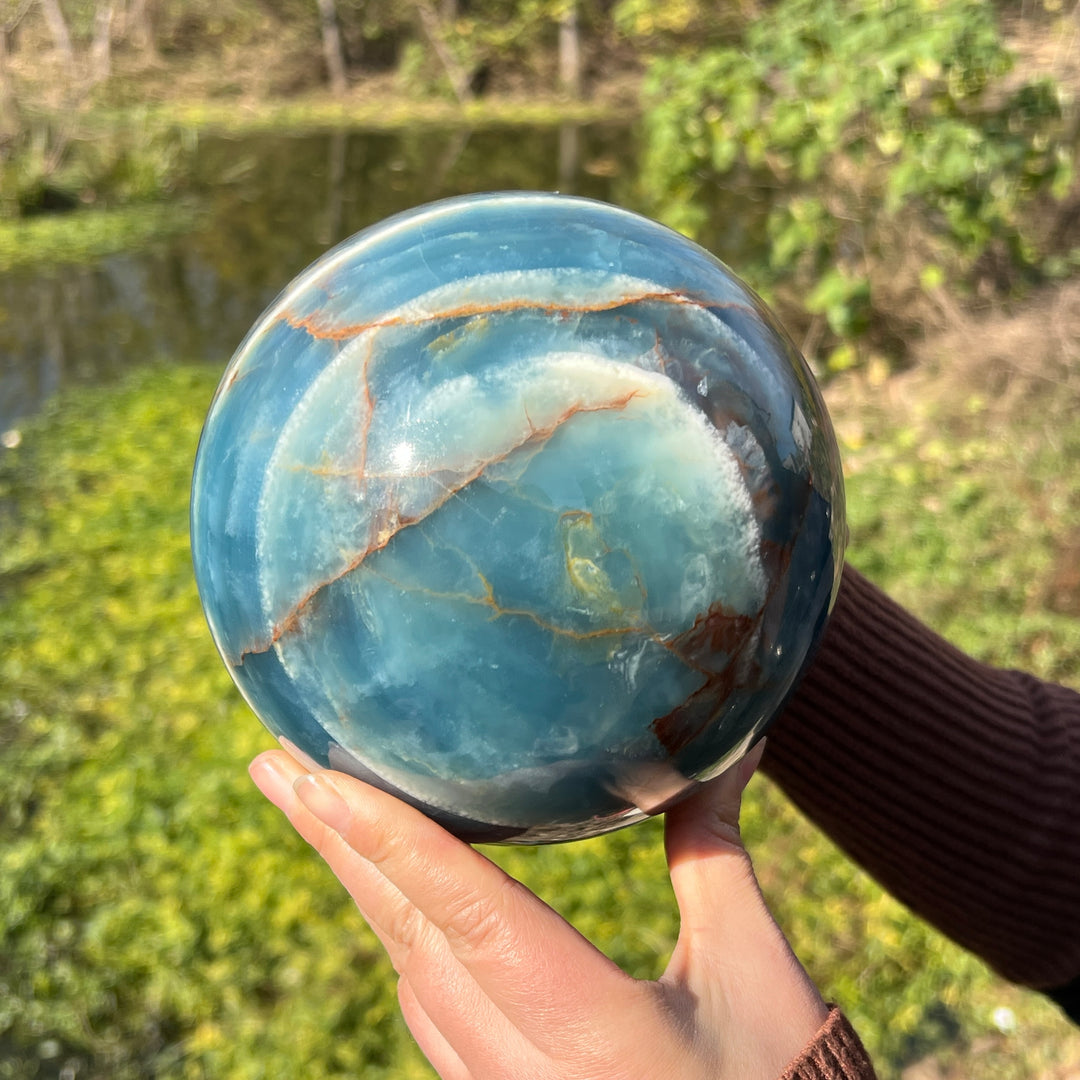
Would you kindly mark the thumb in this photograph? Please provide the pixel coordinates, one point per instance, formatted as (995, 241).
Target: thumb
(731, 956)
(708, 864)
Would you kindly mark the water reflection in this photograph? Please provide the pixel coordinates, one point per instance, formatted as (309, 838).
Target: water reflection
(271, 204)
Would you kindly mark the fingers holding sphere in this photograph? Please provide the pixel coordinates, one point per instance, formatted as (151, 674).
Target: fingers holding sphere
(439, 906)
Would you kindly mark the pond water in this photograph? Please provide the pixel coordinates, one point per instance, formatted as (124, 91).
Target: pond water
(267, 206)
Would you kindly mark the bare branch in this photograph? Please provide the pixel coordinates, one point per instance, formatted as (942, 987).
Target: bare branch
(458, 76)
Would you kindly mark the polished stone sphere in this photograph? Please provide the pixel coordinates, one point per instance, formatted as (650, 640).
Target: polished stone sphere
(522, 507)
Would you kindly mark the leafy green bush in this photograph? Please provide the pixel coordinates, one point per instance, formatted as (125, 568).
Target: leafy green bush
(650, 24)
(864, 128)
(158, 918)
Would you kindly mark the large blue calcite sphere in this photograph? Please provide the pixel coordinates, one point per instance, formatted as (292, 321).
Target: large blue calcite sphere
(522, 507)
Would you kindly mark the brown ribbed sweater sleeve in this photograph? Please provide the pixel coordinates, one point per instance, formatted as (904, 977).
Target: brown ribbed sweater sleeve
(956, 785)
(836, 1053)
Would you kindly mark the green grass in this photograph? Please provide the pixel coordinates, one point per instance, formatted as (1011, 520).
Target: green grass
(969, 513)
(378, 113)
(156, 915)
(86, 235)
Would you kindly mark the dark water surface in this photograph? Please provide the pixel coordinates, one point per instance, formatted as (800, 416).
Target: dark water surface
(268, 206)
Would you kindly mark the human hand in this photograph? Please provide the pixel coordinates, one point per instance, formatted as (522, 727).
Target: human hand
(494, 984)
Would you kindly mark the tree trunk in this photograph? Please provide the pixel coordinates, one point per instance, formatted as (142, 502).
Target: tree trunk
(140, 26)
(570, 51)
(9, 122)
(331, 42)
(54, 17)
(101, 48)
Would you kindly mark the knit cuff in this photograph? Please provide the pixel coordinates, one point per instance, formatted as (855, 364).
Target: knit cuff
(835, 1053)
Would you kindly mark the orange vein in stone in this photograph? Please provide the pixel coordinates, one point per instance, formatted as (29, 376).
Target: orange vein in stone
(369, 404)
(311, 325)
(389, 522)
(488, 600)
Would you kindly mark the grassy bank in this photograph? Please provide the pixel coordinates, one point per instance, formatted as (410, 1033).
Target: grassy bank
(156, 917)
(377, 111)
(90, 235)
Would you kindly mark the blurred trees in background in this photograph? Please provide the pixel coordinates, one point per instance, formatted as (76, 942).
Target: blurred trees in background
(449, 46)
(472, 47)
(890, 147)
(890, 156)
(884, 151)
(856, 125)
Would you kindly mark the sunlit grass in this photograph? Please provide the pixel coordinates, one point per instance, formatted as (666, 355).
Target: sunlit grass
(156, 916)
(375, 113)
(86, 235)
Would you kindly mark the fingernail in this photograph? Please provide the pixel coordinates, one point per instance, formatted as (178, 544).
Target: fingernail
(320, 796)
(273, 781)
